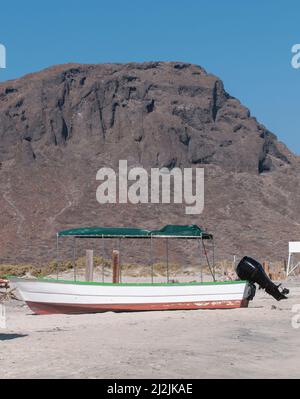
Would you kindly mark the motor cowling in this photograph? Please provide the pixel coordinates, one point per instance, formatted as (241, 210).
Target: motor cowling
(251, 270)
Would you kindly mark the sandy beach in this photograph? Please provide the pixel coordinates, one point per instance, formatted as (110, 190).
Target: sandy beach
(253, 343)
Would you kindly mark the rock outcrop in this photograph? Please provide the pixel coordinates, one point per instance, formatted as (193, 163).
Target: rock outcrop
(59, 126)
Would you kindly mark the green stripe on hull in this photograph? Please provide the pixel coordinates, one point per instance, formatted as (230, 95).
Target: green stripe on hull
(47, 280)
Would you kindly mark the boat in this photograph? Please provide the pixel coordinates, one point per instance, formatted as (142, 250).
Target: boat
(49, 296)
(44, 296)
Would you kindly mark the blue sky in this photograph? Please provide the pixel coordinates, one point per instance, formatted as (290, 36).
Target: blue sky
(246, 43)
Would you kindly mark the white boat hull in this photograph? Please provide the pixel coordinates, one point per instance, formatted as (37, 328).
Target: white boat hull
(51, 296)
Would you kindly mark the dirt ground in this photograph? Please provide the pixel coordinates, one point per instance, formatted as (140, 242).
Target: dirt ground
(260, 342)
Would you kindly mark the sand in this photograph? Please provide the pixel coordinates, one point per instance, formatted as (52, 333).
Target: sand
(258, 342)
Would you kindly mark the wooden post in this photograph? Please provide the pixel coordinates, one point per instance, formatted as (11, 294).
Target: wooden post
(277, 272)
(271, 271)
(266, 268)
(116, 266)
(89, 269)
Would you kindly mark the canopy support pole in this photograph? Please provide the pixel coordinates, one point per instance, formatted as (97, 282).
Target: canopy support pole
(200, 253)
(57, 257)
(167, 255)
(74, 258)
(208, 263)
(103, 259)
(151, 259)
(213, 254)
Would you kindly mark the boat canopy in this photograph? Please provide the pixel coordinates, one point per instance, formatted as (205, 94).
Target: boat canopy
(169, 231)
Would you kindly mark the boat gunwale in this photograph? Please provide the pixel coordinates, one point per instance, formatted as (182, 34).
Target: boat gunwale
(96, 283)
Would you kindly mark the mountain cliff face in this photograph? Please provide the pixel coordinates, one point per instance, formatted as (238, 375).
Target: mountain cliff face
(59, 126)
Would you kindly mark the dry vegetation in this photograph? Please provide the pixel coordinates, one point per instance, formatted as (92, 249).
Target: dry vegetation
(223, 269)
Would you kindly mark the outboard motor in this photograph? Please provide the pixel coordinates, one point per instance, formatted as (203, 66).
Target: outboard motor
(252, 271)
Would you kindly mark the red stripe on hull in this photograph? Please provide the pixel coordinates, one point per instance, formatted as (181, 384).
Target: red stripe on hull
(64, 308)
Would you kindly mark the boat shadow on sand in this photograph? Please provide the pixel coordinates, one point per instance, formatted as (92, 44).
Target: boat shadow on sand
(8, 337)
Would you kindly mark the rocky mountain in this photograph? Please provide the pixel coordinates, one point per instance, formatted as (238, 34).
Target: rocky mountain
(60, 125)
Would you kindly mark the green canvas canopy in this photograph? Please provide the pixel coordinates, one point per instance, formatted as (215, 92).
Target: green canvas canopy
(170, 231)
(105, 232)
(182, 231)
